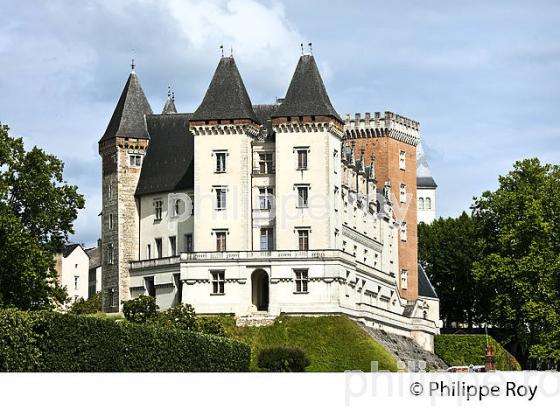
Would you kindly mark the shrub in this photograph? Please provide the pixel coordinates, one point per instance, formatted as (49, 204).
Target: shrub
(18, 350)
(464, 350)
(181, 317)
(72, 343)
(140, 309)
(210, 326)
(283, 359)
(87, 307)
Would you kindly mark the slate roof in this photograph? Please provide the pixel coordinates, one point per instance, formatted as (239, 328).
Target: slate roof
(68, 249)
(94, 257)
(128, 117)
(425, 287)
(264, 112)
(226, 97)
(306, 94)
(426, 182)
(169, 161)
(169, 107)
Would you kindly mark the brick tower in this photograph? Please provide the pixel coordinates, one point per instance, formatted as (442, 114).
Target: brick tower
(122, 149)
(391, 140)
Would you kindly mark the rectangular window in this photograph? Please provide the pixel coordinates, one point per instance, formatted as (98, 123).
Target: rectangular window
(266, 164)
(220, 198)
(302, 158)
(221, 241)
(221, 161)
(158, 206)
(303, 239)
(301, 279)
(150, 286)
(148, 251)
(110, 255)
(402, 160)
(218, 282)
(111, 222)
(403, 193)
(135, 160)
(266, 239)
(113, 297)
(188, 242)
(173, 245)
(159, 248)
(303, 196)
(403, 231)
(404, 279)
(76, 282)
(265, 198)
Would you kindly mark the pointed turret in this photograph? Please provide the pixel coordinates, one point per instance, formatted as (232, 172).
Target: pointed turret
(128, 119)
(307, 94)
(226, 98)
(169, 107)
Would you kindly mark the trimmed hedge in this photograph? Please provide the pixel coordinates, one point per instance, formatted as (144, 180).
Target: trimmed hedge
(18, 343)
(464, 350)
(69, 343)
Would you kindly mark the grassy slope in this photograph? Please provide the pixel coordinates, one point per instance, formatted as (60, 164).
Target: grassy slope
(332, 343)
(464, 350)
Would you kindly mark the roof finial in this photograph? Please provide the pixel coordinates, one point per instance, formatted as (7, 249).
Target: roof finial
(310, 48)
(222, 49)
(302, 52)
(231, 51)
(132, 65)
(168, 91)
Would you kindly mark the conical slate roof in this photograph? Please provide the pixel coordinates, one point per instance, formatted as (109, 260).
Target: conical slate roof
(226, 98)
(169, 107)
(307, 94)
(424, 177)
(128, 119)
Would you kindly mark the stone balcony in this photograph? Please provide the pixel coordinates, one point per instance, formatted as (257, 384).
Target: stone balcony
(275, 256)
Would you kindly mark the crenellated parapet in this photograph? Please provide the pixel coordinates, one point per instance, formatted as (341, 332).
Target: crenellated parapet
(390, 125)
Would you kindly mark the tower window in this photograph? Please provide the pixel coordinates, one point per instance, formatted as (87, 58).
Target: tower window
(421, 204)
(158, 205)
(403, 193)
(218, 282)
(173, 245)
(221, 161)
(135, 160)
(266, 164)
(111, 221)
(404, 279)
(303, 239)
(303, 196)
(402, 160)
(301, 280)
(76, 282)
(302, 158)
(428, 203)
(188, 242)
(266, 239)
(221, 241)
(265, 198)
(220, 198)
(403, 231)
(110, 255)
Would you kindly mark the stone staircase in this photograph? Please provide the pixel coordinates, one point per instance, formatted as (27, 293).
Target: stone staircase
(255, 319)
(407, 351)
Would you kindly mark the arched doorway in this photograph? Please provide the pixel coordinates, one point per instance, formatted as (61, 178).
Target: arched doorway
(259, 287)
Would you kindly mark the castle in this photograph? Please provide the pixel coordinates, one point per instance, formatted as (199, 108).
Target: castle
(257, 210)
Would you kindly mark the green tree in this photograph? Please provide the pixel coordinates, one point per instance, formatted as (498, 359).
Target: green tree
(519, 271)
(37, 211)
(447, 249)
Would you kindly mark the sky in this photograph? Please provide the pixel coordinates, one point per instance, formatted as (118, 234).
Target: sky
(482, 77)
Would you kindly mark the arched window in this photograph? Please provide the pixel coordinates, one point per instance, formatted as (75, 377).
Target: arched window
(421, 203)
(428, 203)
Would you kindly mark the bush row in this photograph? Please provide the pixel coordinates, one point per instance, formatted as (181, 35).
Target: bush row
(54, 342)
